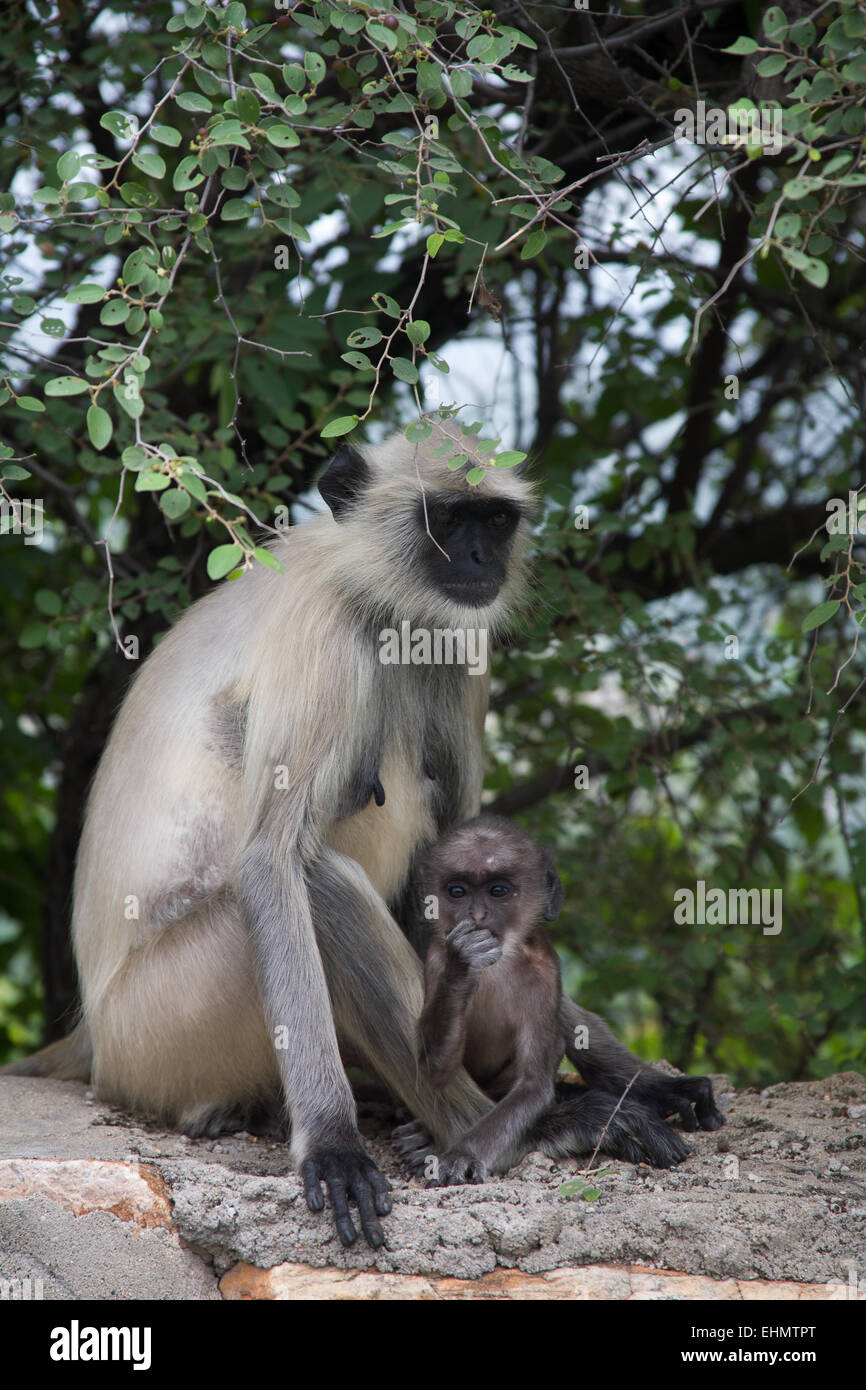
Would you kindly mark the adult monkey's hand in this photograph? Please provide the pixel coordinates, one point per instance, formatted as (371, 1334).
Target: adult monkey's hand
(348, 1172)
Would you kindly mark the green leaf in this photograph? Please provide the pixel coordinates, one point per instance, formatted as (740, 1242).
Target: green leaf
(535, 242)
(293, 75)
(342, 425)
(418, 430)
(358, 360)
(193, 101)
(128, 397)
(816, 272)
(68, 166)
(282, 136)
(509, 459)
(266, 86)
(381, 36)
(48, 602)
(418, 331)
(800, 187)
(120, 124)
(187, 174)
(742, 45)
(65, 386)
(99, 426)
(775, 23)
(404, 370)
(223, 559)
(13, 472)
(151, 164)
(248, 105)
(266, 558)
(33, 636)
(193, 484)
(364, 337)
(85, 294)
(386, 304)
(115, 311)
(133, 457)
(578, 1188)
(461, 82)
(434, 241)
(475, 476)
(166, 135)
(152, 481)
(236, 210)
(174, 503)
(820, 615)
(30, 403)
(314, 66)
(768, 67)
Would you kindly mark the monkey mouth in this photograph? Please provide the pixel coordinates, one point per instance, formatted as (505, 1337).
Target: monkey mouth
(474, 593)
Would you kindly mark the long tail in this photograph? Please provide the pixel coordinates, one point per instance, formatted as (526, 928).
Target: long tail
(66, 1060)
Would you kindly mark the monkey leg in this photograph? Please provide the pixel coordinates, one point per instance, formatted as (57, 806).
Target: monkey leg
(604, 1062)
(179, 1031)
(375, 981)
(590, 1119)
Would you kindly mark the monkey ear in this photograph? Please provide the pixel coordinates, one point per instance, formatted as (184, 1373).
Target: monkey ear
(552, 889)
(344, 479)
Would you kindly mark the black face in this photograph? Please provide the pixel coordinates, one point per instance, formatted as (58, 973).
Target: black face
(491, 901)
(476, 535)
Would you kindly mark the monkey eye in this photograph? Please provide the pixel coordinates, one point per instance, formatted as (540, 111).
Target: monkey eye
(456, 890)
(499, 519)
(499, 890)
(447, 519)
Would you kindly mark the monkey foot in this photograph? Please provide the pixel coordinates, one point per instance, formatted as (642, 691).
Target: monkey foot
(413, 1143)
(689, 1097)
(454, 1167)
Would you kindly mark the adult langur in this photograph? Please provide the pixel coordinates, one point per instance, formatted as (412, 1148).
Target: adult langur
(255, 815)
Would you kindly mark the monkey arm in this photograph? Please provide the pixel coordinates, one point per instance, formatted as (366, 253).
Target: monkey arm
(501, 1138)
(326, 1145)
(450, 986)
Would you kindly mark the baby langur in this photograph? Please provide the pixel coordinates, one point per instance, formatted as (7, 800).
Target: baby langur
(492, 983)
(493, 1003)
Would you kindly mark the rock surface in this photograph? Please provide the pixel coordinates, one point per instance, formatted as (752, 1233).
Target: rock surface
(97, 1205)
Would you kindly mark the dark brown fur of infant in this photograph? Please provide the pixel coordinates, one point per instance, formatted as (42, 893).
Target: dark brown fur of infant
(493, 1004)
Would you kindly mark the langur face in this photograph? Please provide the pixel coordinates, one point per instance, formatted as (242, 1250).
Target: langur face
(476, 535)
(490, 900)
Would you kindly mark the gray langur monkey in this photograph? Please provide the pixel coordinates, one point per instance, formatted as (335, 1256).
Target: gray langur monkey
(493, 1003)
(256, 812)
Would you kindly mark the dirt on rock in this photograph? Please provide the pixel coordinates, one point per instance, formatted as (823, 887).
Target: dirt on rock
(779, 1193)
